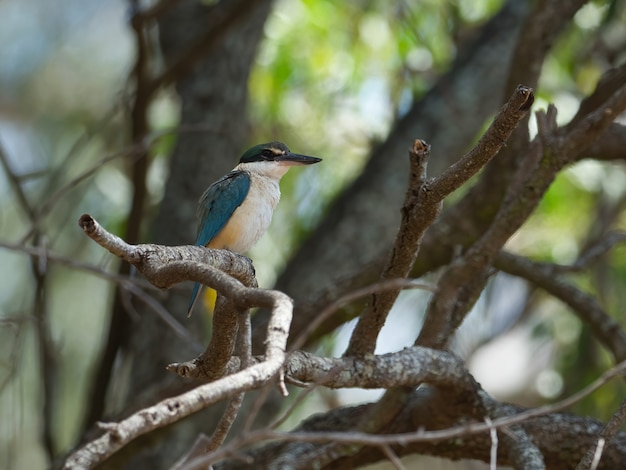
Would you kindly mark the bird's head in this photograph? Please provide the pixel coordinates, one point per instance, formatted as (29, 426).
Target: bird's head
(273, 159)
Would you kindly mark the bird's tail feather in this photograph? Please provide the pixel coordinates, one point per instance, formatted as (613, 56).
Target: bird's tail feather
(194, 299)
(210, 297)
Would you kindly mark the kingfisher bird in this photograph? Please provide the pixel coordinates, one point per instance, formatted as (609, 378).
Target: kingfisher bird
(236, 210)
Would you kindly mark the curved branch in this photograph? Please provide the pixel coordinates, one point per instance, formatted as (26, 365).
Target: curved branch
(409, 367)
(165, 266)
(171, 410)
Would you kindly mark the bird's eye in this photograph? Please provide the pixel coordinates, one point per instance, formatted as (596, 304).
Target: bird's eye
(267, 153)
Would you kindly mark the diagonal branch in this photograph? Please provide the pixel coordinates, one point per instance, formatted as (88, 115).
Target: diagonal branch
(171, 410)
(418, 212)
(489, 145)
(422, 206)
(552, 149)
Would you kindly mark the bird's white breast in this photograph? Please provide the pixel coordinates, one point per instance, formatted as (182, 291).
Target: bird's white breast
(252, 218)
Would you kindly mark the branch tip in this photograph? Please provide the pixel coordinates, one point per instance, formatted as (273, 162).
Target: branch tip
(87, 223)
(530, 97)
(420, 146)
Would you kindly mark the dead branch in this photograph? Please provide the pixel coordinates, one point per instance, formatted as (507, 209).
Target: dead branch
(422, 205)
(319, 429)
(548, 430)
(165, 266)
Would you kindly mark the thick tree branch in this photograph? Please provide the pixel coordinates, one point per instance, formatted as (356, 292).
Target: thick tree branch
(409, 367)
(167, 265)
(164, 266)
(558, 437)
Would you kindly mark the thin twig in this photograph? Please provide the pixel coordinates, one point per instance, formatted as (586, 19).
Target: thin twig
(393, 458)
(301, 397)
(16, 186)
(493, 453)
(597, 455)
(165, 315)
(256, 408)
(46, 207)
(72, 263)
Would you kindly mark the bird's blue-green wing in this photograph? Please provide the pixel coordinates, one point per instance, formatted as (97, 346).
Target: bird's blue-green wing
(215, 208)
(218, 203)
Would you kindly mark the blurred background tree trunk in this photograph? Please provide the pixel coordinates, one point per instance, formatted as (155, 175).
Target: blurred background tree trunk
(213, 96)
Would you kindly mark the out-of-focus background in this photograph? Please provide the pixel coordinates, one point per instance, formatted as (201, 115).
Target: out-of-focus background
(333, 78)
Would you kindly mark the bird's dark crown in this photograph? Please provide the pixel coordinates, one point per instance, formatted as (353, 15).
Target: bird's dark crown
(265, 152)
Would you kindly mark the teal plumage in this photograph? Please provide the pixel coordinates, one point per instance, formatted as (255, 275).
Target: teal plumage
(235, 211)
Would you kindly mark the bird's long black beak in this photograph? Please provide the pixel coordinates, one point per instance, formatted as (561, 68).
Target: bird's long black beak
(297, 159)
